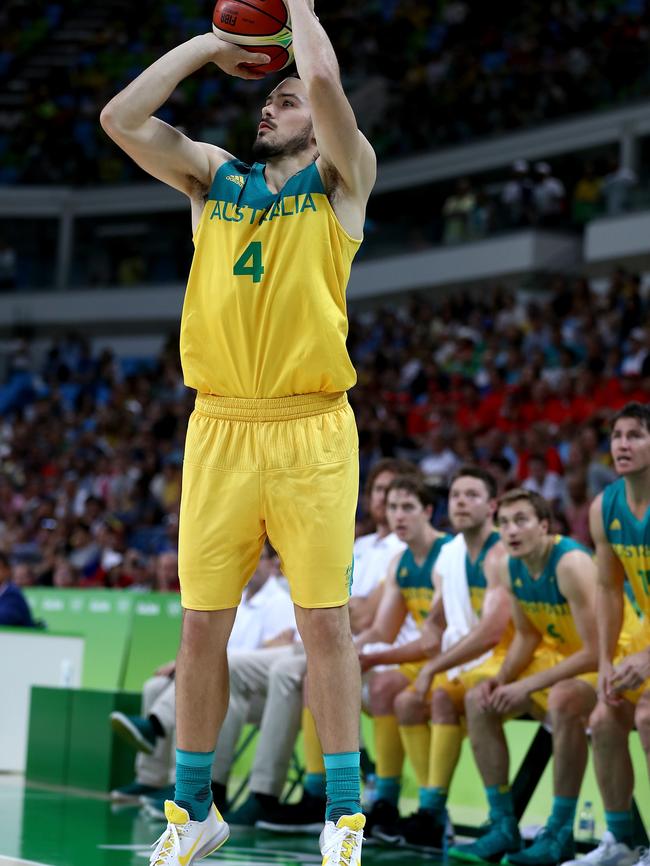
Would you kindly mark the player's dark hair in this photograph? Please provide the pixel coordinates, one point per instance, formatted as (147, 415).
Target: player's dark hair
(539, 505)
(639, 411)
(389, 464)
(414, 485)
(470, 471)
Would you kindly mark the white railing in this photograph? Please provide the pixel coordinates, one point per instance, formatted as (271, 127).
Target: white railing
(621, 127)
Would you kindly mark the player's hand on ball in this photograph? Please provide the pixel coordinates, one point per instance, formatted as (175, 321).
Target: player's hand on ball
(235, 60)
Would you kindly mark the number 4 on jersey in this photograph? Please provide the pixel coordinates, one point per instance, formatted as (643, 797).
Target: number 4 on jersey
(249, 264)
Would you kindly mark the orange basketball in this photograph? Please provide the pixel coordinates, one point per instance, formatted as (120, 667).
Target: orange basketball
(257, 25)
(250, 19)
(280, 57)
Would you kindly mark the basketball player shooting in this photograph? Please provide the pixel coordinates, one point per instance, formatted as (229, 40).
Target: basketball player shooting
(271, 446)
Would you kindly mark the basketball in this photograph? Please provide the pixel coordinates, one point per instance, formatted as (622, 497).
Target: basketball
(257, 25)
(280, 57)
(249, 22)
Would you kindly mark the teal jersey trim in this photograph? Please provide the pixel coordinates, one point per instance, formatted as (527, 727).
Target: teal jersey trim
(244, 185)
(410, 575)
(543, 589)
(624, 529)
(621, 526)
(474, 570)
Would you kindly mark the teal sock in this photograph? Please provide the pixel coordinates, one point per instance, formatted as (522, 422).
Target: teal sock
(388, 788)
(433, 799)
(193, 776)
(342, 785)
(621, 826)
(500, 800)
(564, 812)
(314, 784)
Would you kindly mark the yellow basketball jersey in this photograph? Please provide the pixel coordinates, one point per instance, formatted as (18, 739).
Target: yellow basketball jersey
(265, 312)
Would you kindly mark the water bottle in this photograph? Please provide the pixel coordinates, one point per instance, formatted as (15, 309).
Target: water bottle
(66, 673)
(369, 792)
(586, 823)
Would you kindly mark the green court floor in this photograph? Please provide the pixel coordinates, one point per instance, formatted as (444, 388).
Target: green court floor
(43, 826)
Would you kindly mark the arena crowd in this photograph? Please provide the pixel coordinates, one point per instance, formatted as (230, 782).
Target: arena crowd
(524, 385)
(489, 70)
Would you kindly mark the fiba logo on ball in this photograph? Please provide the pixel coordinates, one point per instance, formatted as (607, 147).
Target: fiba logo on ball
(256, 25)
(229, 19)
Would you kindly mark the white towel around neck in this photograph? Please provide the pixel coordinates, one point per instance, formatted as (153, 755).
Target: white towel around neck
(459, 614)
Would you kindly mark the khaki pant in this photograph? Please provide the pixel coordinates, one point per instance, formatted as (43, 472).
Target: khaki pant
(159, 698)
(266, 690)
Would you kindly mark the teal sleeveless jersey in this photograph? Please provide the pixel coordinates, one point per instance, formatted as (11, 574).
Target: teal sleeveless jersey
(630, 541)
(414, 580)
(542, 601)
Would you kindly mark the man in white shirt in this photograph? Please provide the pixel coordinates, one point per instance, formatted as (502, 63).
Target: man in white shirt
(265, 617)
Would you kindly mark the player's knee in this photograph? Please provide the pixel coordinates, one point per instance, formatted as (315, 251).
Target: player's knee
(472, 703)
(443, 711)
(205, 631)
(325, 629)
(569, 699)
(381, 694)
(409, 708)
(602, 722)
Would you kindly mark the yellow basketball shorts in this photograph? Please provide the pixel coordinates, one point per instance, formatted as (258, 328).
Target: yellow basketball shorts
(411, 670)
(456, 691)
(545, 657)
(286, 468)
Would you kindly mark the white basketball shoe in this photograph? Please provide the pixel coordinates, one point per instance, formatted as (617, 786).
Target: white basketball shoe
(609, 853)
(185, 841)
(340, 843)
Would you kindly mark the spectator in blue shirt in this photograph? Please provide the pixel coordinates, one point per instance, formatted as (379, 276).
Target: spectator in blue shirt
(14, 609)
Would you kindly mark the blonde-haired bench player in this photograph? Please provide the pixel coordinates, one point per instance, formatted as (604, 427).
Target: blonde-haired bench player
(272, 446)
(546, 673)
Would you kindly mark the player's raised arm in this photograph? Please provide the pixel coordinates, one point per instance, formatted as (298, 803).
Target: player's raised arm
(495, 616)
(340, 144)
(158, 148)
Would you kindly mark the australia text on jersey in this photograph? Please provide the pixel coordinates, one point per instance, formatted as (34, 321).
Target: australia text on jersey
(288, 205)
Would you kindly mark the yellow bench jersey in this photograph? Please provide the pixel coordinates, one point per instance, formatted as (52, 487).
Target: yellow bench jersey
(414, 581)
(542, 600)
(265, 312)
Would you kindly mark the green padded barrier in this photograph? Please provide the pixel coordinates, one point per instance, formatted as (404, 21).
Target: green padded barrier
(155, 633)
(48, 738)
(103, 617)
(71, 741)
(97, 758)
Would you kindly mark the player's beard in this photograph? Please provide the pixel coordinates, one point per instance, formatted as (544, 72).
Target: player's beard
(265, 150)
